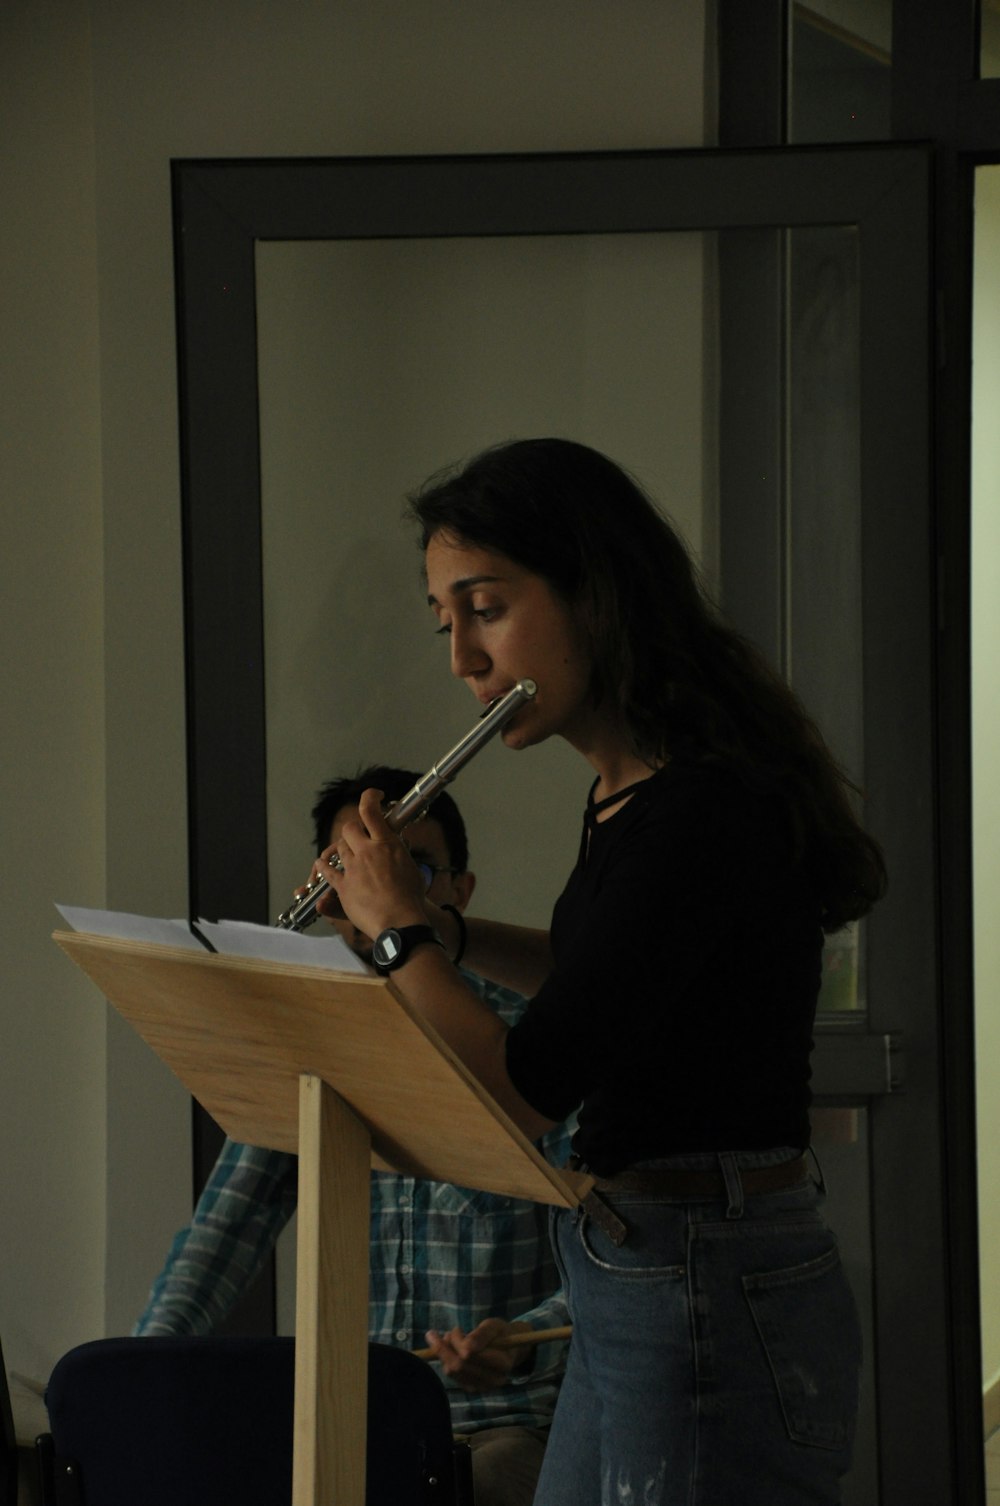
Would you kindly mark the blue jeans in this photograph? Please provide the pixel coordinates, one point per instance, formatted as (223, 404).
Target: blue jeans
(716, 1353)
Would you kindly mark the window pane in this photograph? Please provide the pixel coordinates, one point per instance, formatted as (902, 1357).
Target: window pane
(841, 55)
(989, 39)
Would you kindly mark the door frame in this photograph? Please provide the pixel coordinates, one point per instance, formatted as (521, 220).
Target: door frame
(222, 208)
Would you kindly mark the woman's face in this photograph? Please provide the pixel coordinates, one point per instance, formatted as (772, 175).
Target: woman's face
(504, 624)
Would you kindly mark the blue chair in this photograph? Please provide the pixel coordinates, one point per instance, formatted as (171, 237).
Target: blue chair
(208, 1422)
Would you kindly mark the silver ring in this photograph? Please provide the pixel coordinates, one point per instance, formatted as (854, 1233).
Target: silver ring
(336, 862)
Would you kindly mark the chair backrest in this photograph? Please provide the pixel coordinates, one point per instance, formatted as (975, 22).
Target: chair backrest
(196, 1422)
(8, 1443)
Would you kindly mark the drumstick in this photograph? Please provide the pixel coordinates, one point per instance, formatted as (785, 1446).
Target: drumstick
(513, 1340)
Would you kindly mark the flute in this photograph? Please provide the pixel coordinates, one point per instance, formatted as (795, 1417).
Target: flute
(416, 800)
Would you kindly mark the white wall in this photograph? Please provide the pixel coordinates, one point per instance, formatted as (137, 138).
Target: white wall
(96, 100)
(986, 745)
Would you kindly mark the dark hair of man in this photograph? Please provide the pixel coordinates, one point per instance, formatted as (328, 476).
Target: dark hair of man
(678, 679)
(394, 784)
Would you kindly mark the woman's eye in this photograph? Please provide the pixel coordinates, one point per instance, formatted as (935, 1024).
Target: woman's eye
(483, 614)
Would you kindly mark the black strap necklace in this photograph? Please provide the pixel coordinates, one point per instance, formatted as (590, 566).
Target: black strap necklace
(595, 807)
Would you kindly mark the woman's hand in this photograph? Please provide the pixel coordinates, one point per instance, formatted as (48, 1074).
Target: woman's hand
(374, 881)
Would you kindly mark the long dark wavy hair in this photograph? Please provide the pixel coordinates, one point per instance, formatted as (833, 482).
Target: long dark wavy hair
(675, 676)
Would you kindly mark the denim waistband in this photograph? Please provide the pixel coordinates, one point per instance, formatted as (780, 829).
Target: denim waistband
(710, 1160)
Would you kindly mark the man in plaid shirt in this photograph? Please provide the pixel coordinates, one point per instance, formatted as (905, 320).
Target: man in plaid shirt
(443, 1258)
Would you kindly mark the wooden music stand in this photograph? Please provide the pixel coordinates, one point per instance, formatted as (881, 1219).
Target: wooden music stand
(338, 1067)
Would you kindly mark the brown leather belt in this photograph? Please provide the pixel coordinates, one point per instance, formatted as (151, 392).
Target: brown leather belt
(679, 1182)
(669, 1181)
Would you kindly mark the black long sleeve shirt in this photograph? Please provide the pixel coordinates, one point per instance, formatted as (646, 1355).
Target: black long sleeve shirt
(687, 965)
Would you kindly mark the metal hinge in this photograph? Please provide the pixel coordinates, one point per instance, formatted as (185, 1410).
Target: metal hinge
(850, 1064)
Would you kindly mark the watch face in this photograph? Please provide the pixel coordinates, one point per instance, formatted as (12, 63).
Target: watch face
(387, 948)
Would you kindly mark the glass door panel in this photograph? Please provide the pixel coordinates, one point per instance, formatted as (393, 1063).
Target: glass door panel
(381, 361)
(842, 1146)
(823, 628)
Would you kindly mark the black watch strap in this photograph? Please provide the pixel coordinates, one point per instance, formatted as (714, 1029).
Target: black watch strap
(393, 947)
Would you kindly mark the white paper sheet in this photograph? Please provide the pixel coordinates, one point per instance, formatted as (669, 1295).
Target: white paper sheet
(232, 938)
(130, 927)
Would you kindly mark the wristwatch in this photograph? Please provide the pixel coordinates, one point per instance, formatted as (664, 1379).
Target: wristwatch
(393, 947)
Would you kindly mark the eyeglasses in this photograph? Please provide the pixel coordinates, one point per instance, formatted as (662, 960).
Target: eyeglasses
(430, 872)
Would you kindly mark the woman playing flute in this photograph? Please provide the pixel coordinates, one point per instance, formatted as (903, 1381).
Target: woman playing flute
(716, 1352)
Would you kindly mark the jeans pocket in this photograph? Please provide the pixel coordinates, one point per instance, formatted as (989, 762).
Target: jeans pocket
(807, 1323)
(649, 1253)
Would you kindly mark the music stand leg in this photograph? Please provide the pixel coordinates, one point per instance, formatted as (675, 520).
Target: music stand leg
(331, 1311)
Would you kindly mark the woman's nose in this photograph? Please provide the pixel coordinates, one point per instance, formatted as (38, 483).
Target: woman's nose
(467, 657)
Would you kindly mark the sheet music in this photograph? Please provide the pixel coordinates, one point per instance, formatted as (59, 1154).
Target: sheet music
(231, 938)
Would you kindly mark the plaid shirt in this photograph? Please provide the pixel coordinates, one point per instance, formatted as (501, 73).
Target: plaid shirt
(441, 1256)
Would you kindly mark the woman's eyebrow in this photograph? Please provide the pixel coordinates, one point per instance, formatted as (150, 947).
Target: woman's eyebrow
(465, 584)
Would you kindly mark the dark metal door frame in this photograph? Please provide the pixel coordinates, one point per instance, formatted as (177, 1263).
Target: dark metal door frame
(223, 208)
